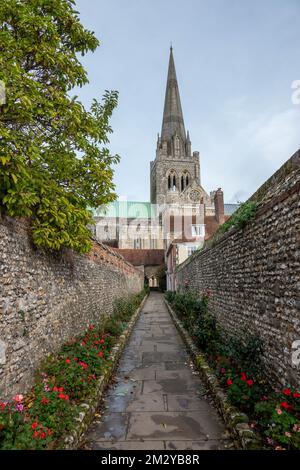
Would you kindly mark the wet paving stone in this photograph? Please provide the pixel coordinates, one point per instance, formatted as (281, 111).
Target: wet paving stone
(156, 401)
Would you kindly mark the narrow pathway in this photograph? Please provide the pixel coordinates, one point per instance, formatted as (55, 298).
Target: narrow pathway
(156, 402)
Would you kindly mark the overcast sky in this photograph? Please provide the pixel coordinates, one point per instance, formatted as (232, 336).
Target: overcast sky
(235, 62)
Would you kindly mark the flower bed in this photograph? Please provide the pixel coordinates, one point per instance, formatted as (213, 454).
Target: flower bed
(65, 381)
(274, 414)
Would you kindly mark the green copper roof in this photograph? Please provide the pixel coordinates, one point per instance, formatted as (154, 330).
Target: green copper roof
(126, 209)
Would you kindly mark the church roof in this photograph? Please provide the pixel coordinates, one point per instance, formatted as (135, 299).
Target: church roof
(173, 117)
(126, 209)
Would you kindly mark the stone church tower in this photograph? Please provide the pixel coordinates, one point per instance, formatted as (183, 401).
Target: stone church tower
(175, 172)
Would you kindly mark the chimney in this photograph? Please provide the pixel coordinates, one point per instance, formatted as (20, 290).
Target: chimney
(219, 206)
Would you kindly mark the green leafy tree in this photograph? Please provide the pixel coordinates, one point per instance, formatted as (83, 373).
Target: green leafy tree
(53, 159)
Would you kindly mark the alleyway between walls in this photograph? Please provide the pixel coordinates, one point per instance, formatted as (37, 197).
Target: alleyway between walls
(156, 401)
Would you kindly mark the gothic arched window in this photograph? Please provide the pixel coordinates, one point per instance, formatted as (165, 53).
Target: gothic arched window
(187, 180)
(182, 183)
(172, 180)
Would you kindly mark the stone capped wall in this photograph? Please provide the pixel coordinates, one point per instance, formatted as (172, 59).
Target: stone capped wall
(45, 299)
(254, 273)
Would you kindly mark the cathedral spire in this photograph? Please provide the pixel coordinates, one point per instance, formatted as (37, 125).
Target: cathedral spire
(173, 118)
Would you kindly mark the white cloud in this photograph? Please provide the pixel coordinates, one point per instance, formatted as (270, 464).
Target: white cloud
(249, 148)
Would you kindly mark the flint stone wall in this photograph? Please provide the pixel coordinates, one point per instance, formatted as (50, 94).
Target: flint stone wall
(45, 299)
(254, 273)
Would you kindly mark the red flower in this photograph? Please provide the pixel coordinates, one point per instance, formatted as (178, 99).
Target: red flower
(102, 341)
(96, 342)
(68, 361)
(285, 405)
(100, 354)
(42, 435)
(67, 398)
(61, 395)
(34, 425)
(2, 406)
(91, 327)
(35, 434)
(229, 381)
(287, 391)
(55, 389)
(250, 383)
(243, 376)
(296, 395)
(45, 401)
(60, 389)
(75, 358)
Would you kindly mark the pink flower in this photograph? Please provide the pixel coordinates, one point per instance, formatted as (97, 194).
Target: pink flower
(287, 434)
(20, 407)
(279, 412)
(223, 370)
(18, 398)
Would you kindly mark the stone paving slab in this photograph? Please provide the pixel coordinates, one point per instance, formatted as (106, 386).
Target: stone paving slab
(188, 425)
(156, 401)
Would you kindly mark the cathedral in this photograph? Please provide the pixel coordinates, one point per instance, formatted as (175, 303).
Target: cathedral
(180, 214)
(175, 172)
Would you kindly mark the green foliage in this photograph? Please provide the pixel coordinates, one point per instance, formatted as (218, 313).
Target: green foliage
(240, 218)
(208, 333)
(280, 425)
(196, 318)
(52, 161)
(41, 419)
(245, 350)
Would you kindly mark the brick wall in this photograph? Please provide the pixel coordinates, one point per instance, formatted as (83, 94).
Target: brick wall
(254, 273)
(46, 299)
